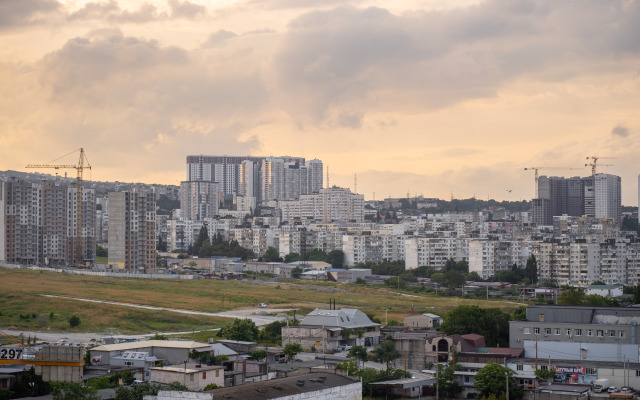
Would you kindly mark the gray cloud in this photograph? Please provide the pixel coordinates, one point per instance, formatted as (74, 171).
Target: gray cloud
(186, 9)
(219, 38)
(620, 130)
(112, 12)
(422, 60)
(26, 12)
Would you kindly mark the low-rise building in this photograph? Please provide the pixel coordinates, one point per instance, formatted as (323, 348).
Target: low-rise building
(194, 376)
(328, 329)
(422, 321)
(171, 351)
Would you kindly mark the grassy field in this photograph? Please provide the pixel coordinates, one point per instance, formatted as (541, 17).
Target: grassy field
(22, 305)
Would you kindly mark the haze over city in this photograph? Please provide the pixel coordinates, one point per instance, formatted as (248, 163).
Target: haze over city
(425, 97)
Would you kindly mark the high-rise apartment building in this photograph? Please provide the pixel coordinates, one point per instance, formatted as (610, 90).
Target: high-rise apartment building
(38, 224)
(199, 199)
(608, 197)
(592, 197)
(132, 219)
(265, 178)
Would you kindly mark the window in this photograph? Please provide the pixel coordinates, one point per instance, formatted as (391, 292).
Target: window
(527, 331)
(541, 316)
(519, 367)
(578, 332)
(204, 375)
(612, 333)
(568, 332)
(637, 372)
(589, 332)
(622, 334)
(556, 331)
(217, 372)
(536, 331)
(192, 377)
(543, 367)
(547, 331)
(600, 333)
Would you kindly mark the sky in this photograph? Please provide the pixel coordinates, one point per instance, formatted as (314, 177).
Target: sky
(433, 98)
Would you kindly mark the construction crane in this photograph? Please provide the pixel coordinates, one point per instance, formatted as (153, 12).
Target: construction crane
(83, 163)
(595, 162)
(535, 169)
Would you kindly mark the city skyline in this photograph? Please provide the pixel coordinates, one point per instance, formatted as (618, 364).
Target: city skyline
(424, 97)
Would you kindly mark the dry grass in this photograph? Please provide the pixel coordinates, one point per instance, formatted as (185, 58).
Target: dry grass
(23, 290)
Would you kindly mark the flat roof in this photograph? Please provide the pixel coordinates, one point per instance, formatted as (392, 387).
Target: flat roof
(190, 368)
(178, 344)
(277, 388)
(407, 382)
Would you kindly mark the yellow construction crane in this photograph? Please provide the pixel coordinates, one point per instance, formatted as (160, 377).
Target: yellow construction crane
(595, 162)
(545, 168)
(83, 163)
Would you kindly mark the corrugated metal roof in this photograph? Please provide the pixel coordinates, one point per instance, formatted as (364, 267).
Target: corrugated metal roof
(178, 344)
(343, 318)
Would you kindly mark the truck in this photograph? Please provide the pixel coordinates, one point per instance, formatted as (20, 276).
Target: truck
(601, 385)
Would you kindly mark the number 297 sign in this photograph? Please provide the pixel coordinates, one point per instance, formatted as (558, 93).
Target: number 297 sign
(10, 353)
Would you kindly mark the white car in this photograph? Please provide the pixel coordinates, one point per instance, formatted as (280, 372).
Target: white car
(262, 305)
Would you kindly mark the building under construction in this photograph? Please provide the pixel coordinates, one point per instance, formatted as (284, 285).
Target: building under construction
(38, 224)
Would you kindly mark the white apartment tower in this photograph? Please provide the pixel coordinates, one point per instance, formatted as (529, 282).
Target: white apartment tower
(199, 199)
(608, 197)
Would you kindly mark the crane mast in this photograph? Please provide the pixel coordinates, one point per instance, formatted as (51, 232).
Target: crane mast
(83, 163)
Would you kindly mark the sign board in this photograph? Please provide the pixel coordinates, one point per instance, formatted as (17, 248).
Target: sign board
(10, 353)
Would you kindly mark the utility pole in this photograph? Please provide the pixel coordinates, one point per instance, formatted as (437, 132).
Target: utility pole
(506, 374)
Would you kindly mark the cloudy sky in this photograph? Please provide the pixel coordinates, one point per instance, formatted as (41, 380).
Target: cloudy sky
(427, 97)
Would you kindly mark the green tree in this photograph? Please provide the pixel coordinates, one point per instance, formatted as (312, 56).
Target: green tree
(136, 392)
(128, 376)
(385, 352)
(203, 236)
(259, 354)
(206, 250)
(492, 323)
(178, 387)
(291, 349)
(636, 295)
(272, 332)
(292, 257)
(271, 255)
(101, 251)
(359, 352)
(492, 379)
(448, 386)
(297, 272)
(74, 321)
(336, 258)
(519, 314)
(241, 329)
(578, 297)
(531, 269)
(316, 255)
(74, 391)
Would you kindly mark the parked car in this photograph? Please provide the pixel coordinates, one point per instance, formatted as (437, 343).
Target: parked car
(613, 389)
(262, 305)
(625, 389)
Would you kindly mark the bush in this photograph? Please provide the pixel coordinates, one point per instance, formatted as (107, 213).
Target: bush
(74, 321)
(210, 386)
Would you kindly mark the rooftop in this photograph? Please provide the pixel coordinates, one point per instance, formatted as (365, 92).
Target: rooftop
(189, 368)
(343, 318)
(277, 388)
(176, 344)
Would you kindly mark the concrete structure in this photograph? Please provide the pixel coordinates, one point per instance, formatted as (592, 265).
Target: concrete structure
(38, 224)
(170, 351)
(199, 199)
(608, 198)
(330, 204)
(578, 333)
(422, 321)
(132, 219)
(60, 373)
(140, 361)
(325, 330)
(610, 291)
(194, 376)
(265, 178)
(311, 386)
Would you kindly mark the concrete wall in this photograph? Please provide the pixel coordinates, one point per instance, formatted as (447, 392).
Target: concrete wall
(192, 380)
(56, 373)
